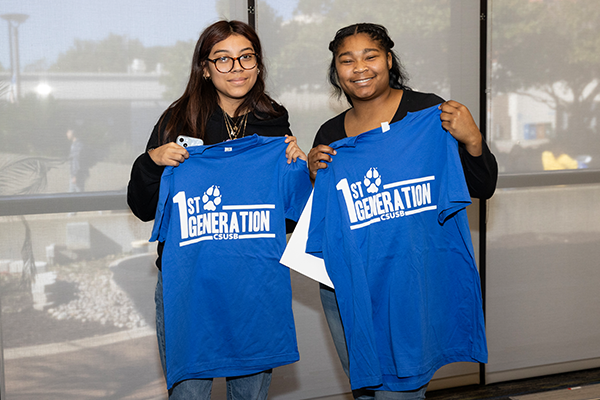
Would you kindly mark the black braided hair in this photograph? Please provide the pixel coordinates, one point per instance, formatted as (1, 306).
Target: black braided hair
(398, 75)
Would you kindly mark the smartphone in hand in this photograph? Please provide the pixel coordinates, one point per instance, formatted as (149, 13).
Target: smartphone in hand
(186, 141)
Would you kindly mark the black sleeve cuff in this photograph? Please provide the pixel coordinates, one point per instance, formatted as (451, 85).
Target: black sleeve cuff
(481, 172)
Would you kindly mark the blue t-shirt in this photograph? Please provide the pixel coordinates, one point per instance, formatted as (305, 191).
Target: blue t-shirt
(389, 220)
(227, 299)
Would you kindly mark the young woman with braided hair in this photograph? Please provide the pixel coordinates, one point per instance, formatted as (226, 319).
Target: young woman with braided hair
(368, 72)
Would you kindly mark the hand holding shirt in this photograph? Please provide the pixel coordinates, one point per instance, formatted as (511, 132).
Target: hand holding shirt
(227, 299)
(389, 219)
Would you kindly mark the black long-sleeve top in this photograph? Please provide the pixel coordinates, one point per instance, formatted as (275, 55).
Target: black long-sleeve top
(481, 173)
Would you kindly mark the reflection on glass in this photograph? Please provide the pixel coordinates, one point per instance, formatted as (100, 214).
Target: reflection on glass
(104, 73)
(546, 80)
(296, 36)
(77, 292)
(77, 289)
(542, 274)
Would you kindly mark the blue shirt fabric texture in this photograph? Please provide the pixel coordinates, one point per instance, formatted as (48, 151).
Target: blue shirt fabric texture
(227, 299)
(389, 219)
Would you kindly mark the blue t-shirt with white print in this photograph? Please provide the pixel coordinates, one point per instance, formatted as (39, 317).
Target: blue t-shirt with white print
(389, 220)
(227, 299)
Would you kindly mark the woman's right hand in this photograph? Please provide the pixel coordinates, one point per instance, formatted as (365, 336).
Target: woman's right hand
(318, 157)
(169, 154)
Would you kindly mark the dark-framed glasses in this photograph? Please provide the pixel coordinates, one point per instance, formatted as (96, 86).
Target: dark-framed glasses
(225, 64)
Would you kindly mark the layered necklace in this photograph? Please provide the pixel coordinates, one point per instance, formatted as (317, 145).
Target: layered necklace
(235, 129)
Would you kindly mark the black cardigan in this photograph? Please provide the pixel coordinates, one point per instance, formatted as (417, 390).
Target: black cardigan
(481, 173)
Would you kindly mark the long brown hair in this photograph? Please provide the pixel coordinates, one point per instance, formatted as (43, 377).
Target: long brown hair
(191, 112)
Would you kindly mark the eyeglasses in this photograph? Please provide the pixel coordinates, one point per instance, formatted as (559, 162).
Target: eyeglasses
(226, 64)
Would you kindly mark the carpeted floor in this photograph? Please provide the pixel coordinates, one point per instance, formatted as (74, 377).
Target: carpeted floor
(546, 387)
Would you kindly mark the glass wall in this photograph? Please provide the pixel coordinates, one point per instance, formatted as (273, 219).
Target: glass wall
(543, 224)
(83, 83)
(77, 307)
(81, 86)
(545, 85)
(438, 43)
(296, 35)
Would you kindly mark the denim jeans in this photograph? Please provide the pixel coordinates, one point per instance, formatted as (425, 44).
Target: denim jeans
(334, 320)
(248, 387)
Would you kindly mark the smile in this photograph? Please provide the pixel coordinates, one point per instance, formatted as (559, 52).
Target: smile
(362, 80)
(237, 81)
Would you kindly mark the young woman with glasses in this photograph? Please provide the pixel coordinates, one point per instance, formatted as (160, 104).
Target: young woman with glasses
(368, 72)
(224, 99)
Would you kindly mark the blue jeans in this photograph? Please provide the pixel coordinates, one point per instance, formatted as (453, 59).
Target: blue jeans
(248, 387)
(334, 320)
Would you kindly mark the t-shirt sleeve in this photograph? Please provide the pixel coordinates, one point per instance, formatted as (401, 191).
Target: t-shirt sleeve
(295, 187)
(163, 208)
(316, 228)
(454, 194)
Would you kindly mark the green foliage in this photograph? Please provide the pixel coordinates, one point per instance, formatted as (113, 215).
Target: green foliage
(303, 58)
(296, 55)
(177, 64)
(539, 43)
(36, 126)
(270, 31)
(554, 47)
(113, 54)
(116, 53)
(40, 65)
(296, 51)
(45, 134)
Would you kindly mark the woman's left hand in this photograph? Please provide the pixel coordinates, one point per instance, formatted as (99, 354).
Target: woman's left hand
(293, 151)
(457, 120)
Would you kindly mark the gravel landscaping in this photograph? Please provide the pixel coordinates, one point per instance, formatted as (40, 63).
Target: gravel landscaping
(84, 301)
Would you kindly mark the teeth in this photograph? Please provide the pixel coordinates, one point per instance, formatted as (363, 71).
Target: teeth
(363, 80)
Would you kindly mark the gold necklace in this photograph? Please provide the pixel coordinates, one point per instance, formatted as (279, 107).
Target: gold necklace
(235, 129)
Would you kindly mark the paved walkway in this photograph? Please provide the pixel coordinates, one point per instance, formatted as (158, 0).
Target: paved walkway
(121, 366)
(76, 345)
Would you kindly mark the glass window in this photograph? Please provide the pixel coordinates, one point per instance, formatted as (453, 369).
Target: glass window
(438, 43)
(296, 36)
(81, 86)
(77, 296)
(543, 233)
(545, 80)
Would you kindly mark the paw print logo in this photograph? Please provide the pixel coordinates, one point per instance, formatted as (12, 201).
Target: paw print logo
(211, 198)
(372, 180)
